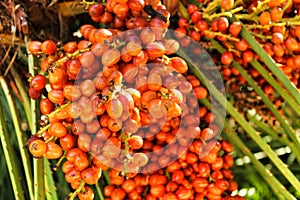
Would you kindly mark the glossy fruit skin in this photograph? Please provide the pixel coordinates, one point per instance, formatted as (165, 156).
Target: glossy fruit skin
(87, 59)
(128, 185)
(48, 47)
(223, 24)
(46, 106)
(37, 147)
(157, 190)
(88, 194)
(67, 142)
(265, 18)
(34, 47)
(56, 96)
(247, 56)
(191, 9)
(91, 175)
(96, 10)
(276, 14)
(155, 50)
(70, 47)
(118, 194)
(54, 151)
(227, 4)
(114, 108)
(57, 129)
(178, 64)
(34, 94)
(235, 28)
(38, 82)
(291, 44)
(226, 58)
(110, 57)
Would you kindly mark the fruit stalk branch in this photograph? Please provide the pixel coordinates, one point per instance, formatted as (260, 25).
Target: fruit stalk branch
(270, 63)
(222, 14)
(79, 189)
(69, 56)
(223, 35)
(265, 99)
(247, 127)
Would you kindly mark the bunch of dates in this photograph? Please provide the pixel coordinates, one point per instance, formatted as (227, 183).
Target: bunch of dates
(122, 103)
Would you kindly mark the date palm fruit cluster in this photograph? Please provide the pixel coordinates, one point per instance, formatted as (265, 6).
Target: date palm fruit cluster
(274, 24)
(122, 102)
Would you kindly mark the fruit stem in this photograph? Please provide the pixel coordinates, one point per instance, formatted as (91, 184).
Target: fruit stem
(261, 6)
(60, 160)
(284, 23)
(38, 165)
(117, 44)
(287, 5)
(99, 191)
(211, 7)
(79, 189)
(263, 37)
(238, 2)
(50, 139)
(106, 177)
(168, 175)
(247, 17)
(88, 2)
(69, 56)
(125, 137)
(58, 109)
(165, 60)
(42, 130)
(218, 15)
(223, 35)
(296, 18)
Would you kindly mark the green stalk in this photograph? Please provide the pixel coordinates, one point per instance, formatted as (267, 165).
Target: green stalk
(264, 146)
(39, 184)
(283, 139)
(264, 98)
(50, 188)
(38, 165)
(247, 127)
(272, 181)
(106, 176)
(270, 63)
(99, 191)
(32, 102)
(24, 95)
(281, 91)
(13, 169)
(19, 134)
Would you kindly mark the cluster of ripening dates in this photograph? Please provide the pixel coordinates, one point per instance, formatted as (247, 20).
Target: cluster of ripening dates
(274, 24)
(121, 101)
